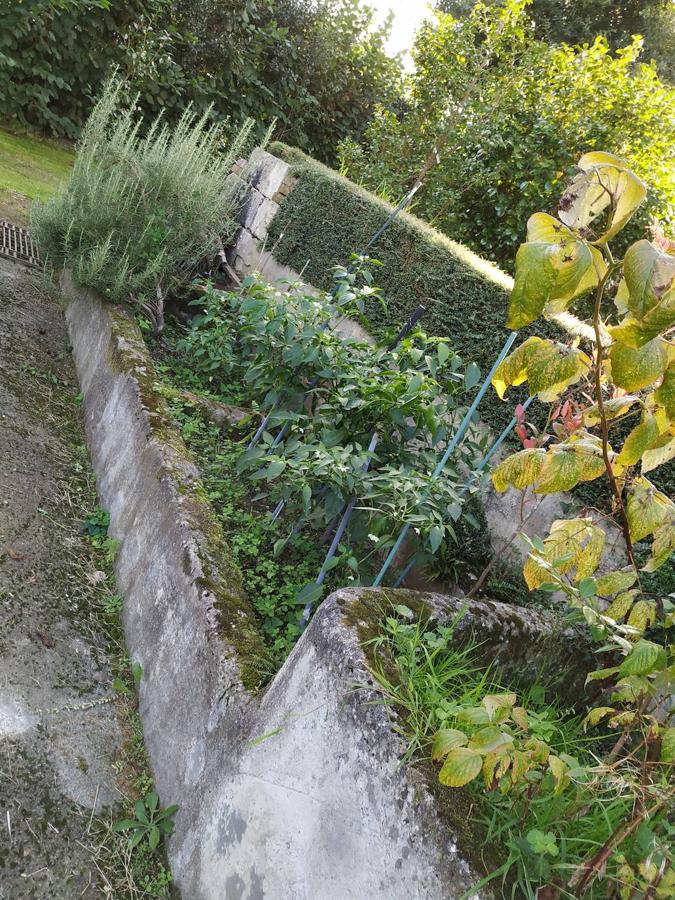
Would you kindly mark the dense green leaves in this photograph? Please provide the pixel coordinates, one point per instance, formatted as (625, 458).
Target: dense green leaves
(512, 115)
(318, 69)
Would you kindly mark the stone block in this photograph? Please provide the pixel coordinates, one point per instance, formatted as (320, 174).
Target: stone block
(266, 172)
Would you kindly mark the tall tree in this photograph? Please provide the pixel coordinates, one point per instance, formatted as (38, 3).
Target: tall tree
(581, 21)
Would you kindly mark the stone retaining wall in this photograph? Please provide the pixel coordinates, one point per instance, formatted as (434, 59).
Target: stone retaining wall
(297, 792)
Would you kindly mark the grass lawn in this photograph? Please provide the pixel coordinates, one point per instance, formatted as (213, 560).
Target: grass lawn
(31, 168)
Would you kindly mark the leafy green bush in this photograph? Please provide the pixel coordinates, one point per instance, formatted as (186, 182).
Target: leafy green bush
(318, 68)
(335, 394)
(326, 217)
(55, 55)
(140, 209)
(510, 114)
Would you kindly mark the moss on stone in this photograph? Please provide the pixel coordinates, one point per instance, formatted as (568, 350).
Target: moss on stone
(220, 577)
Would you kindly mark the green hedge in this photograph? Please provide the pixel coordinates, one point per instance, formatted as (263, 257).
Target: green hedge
(327, 217)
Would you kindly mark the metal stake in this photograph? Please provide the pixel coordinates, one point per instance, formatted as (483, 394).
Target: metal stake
(457, 437)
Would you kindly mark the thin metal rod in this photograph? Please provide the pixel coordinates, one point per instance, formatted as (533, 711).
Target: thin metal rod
(403, 333)
(457, 437)
(337, 537)
(479, 468)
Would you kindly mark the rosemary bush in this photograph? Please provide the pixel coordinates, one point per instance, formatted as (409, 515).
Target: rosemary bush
(143, 206)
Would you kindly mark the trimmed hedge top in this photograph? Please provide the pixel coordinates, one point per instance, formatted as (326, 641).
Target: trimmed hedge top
(327, 217)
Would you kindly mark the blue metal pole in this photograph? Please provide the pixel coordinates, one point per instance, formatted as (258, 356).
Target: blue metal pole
(403, 333)
(337, 537)
(457, 437)
(481, 465)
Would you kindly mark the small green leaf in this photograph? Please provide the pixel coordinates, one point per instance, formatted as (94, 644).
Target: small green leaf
(125, 825)
(435, 537)
(541, 843)
(151, 801)
(489, 739)
(642, 659)
(139, 810)
(275, 469)
(601, 674)
(154, 837)
(587, 588)
(471, 376)
(310, 593)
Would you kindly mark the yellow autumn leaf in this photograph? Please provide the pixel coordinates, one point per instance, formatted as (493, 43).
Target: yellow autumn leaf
(647, 508)
(633, 369)
(664, 395)
(604, 179)
(662, 546)
(641, 438)
(612, 582)
(569, 463)
(553, 265)
(659, 453)
(621, 605)
(460, 767)
(520, 470)
(642, 615)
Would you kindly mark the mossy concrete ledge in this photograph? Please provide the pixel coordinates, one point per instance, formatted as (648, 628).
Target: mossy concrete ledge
(298, 792)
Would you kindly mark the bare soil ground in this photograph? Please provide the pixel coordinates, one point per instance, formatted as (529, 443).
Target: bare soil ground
(58, 728)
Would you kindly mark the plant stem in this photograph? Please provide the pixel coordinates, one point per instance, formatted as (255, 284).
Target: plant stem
(599, 358)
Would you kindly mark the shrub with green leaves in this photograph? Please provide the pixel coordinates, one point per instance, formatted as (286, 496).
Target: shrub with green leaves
(334, 394)
(142, 206)
(510, 114)
(617, 365)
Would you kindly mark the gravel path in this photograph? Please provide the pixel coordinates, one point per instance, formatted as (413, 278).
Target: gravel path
(58, 732)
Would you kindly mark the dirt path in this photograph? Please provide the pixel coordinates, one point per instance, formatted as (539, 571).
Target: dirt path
(58, 732)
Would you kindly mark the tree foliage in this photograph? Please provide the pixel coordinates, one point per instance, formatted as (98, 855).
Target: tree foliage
(315, 67)
(580, 21)
(625, 375)
(509, 115)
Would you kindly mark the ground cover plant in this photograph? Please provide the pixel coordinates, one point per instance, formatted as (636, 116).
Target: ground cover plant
(143, 206)
(610, 831)
(326, 398)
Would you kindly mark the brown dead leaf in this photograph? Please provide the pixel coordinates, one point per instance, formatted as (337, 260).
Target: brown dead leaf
(15, 554)
(47, 640)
